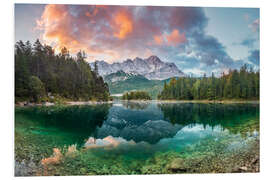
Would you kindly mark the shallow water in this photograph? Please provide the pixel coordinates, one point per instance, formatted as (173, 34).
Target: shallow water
(129, 131)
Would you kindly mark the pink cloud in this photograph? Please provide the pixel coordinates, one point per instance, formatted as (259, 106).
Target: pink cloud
(176, 38)
(255, 26)
(114, 32)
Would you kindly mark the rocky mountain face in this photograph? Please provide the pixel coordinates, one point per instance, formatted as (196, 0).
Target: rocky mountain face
(152, 68)
(120, 76)
(120, 82)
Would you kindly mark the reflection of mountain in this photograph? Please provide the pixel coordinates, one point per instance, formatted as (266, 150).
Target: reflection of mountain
(153, 123)
(150, 131)
(138, 124)
(147, 122)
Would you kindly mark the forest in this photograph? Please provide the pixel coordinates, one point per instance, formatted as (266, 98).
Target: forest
(136, 95)
(243, 84)
(41, 73)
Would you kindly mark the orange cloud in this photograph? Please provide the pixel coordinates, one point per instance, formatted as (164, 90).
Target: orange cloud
(176, 38)
(100, 30)
(123, 25)
(158, 39)
(57, 24)
(94, 12)
(88, 14)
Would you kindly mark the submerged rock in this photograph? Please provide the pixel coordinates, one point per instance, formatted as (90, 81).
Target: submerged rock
(71, 150)
(24, 168)
(177, 165)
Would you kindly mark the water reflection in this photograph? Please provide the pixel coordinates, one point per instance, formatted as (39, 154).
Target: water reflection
(140, 122)
(136, 105)
(237, 118)
(79, 121)
(157, 121)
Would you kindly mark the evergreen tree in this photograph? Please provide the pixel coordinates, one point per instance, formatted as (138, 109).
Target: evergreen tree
(96, 68)
(60, 74)
(36, 88)
(242, 84)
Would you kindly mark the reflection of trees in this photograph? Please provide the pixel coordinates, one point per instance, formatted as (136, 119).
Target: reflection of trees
(237, 118)
(79, 120)
(135, 105)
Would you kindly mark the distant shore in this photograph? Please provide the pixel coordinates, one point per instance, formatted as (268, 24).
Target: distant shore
(20, 104)
(196, 101)
(87, 102)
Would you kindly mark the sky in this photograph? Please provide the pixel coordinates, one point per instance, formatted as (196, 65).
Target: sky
(198, 40)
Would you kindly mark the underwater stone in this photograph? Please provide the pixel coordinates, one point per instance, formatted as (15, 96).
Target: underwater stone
(176, 165)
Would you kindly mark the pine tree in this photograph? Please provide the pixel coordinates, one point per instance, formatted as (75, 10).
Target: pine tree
(60, 74)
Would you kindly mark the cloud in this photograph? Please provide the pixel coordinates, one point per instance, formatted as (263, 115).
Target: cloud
(255, 25)
(246, 17)
(123, 24)
(195, 72)
(249, 42)
(254, 57)
(158, 39)
(209, 50)
(118, 32)
(176, 38)
(115, 33)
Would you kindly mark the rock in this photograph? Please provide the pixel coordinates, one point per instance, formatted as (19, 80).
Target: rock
(48, 104)
(244, 168)
(177, 165)
(254, 160)
(240, 169)
(22, 103)
(29, 104)
(257, 169)
(71, 150)
(24, 168)
(150, 68)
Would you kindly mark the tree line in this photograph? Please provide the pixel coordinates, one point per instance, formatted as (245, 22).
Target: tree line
(237, 84)
(39, 71)
(136, 95)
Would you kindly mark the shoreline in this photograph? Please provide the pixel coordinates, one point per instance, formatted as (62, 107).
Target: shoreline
(195, 101)
(72, 103)
(87, 102)
(68, 103)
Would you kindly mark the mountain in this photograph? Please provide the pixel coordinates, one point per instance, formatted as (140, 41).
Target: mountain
(151, 68)
(120, 82)
(120, 76)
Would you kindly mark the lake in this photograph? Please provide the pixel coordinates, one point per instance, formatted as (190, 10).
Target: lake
(137, 138)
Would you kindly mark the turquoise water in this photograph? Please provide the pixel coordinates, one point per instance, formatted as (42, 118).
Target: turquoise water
(141, 130)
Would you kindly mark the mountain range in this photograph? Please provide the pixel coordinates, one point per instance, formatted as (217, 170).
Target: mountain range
(121, 82)
(151, 68)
